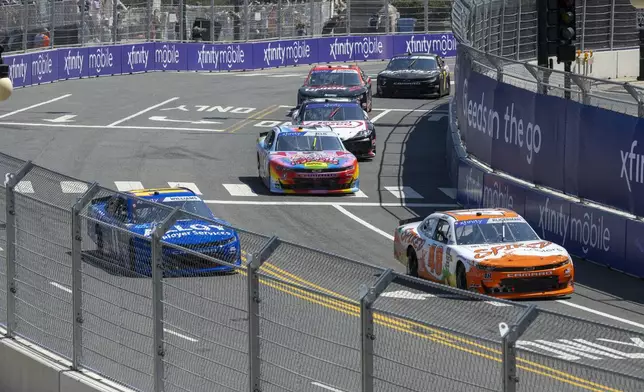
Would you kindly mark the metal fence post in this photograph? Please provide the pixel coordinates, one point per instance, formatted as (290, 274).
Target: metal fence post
(254, 263)
(279, 19)
(542, 88)
(510, 335)
(583, 26)
(635, 94)
(82, 23)
(11, 180)
(612, 23)
(25, 24)
(502, 29)
(77, 277)
(115, 16)
(367, 297)
(312, 33)
(519, 31)
(182, 22)
(348, 18)
(246, 20)
(212, 21)
(498, 65)
(157, 296)
(584, 86)
(387, 18)
(148, 12)
(426, 15)
(52, 16)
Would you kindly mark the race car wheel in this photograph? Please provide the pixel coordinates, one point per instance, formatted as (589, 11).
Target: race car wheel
(412, 263)
(461, 277)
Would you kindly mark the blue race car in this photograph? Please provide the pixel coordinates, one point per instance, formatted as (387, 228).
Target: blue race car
(127, 219)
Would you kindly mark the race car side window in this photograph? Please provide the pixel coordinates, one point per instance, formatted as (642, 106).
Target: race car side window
(428, 226)
(442, 231)
(117, 208)
(270, 138)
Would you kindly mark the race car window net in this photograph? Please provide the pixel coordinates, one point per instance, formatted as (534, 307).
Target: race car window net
(494, 233)
(308, 143)
(402, 63)
(333, 113)
(334, 78)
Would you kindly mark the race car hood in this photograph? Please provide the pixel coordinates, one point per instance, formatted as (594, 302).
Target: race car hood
(331, 91)
(345, 129)
(313, 160)
(409, 74)
(190, 232)
(517, 254)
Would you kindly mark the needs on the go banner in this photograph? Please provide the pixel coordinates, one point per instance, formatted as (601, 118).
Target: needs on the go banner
(73, 63)
(581, 150)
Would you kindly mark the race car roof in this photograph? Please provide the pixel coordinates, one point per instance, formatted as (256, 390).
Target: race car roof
(337, 66)
(420, 55)
(489, 213)
(153, 193)
(318, 129)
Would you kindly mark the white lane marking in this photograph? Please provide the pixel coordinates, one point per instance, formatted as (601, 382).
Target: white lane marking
(239, 190)
(404, 294)
(597, 312)
(451, 82)
(451, 192)
(328, 203)
(246, 74)
(188, 338)
(324, 386)
(283, 75)
(24, 187)
(411, 110)
(403, 192)
(68, 290)
(73, 187)
(62, 119)
(124, 186)
(360, 194)
(35, 106)
(60, 286)
(112, 127)
(379, 116)
(363, 222)
(142, 111)
(497, 303)
(190, 185)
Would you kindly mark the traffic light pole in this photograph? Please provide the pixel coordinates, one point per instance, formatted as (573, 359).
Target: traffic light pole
(641, 75)
(567, 84)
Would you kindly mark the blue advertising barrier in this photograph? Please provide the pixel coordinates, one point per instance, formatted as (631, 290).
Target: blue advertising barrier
(585, 151)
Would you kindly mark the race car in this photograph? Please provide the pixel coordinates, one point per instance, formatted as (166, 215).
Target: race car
(331, 81)
(414, 74)
(490, 251)
(347, 119)
(121, 227)
(306, 160)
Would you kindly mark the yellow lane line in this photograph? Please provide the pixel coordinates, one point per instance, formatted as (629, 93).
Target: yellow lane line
(258, 116)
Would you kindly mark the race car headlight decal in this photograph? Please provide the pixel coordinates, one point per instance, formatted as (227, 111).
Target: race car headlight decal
(349, 167)
(484, 267)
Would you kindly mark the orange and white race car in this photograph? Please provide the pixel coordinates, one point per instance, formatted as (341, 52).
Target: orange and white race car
(490, 251)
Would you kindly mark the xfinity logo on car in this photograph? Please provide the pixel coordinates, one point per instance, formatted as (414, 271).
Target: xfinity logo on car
(168, 54)
(73, 63)
(442, 45)
(137, 57)
(630, 161)
(101, 59)
(298, 50)
(42, 66)
(347, 47)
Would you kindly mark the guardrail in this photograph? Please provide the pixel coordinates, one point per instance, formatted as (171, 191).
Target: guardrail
(290, 318)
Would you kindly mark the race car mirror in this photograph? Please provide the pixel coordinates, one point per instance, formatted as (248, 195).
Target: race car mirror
(6, 87)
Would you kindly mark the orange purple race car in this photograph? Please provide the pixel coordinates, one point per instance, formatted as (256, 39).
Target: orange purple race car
(308, 160)
(490, 251)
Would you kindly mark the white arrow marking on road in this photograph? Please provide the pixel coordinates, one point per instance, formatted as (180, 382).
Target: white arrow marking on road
(62, 119)
(166, 119)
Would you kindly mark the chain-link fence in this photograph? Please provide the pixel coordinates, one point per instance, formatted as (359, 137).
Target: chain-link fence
(116, 285)
(500, 40)
(38, 24)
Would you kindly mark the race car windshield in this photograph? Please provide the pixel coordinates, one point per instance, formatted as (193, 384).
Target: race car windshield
(193, 207)
(308, 143)
(334, 78)
(148, 213)
(330, 112)
(402, 63)
(468, 233)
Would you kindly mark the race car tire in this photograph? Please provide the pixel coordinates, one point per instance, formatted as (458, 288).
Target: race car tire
(412, 262)
(259, 172)
(461, 276)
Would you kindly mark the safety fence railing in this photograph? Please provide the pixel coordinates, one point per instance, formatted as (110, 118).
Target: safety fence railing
(41, 24)
(127, 294)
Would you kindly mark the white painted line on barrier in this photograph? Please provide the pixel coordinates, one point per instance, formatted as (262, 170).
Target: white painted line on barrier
(404, 192)
(60, 286)
(239, 190)
(125, 186)
(190, 185)
(142, 112)
(597, 312)
(73, 187)
(111, 127)
(188, 338)
(324, 386)
(381, 115)
(35, 106)
(363, 222)
(329, 203)
(497, 303)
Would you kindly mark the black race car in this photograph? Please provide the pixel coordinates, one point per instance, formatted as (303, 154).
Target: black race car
(414, 74)
(337, 81)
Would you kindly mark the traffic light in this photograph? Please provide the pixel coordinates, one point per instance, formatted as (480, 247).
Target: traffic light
(556, 30)
(567, 29)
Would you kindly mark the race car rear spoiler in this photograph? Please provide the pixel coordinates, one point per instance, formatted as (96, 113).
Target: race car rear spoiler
(410, 220)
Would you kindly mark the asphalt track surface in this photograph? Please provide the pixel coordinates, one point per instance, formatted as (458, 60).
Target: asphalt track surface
(127, 131)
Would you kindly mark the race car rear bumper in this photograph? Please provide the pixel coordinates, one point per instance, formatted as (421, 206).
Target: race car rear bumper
(361, 148)
(411, 87)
